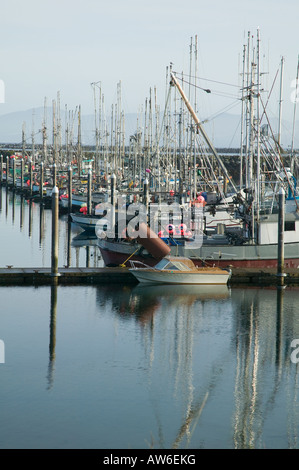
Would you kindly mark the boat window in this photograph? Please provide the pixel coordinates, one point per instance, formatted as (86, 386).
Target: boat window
(176, 265)
(162, 264)
(181, 266)
(289, 226)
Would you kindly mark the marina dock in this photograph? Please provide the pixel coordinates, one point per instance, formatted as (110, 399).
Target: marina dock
(11, 275)
(65, 276)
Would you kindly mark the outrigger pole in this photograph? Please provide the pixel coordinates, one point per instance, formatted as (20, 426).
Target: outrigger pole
(200, 128)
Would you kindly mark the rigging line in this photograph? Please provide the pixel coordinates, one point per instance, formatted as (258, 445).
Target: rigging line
(270, 92)
(209, 80)
(226, 95)
(207, 90)
(222, 111)
(230, 144)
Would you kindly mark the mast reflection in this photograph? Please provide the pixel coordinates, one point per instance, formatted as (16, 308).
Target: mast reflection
(263, 364)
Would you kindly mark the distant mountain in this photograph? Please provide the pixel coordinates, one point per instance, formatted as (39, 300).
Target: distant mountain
(11, 126)
(224, 131)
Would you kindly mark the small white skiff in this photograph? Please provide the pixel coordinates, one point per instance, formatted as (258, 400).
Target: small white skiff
(178, 270)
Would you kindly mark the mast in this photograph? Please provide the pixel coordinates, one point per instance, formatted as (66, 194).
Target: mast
(280, 101)
(145, 138)
(252, 138)
(79, 158)
(58, 138)
(251, 122)
(190, 127)
(112, 157)
(157, 165)
(122, 143)
(294, 119)
(44, 132)
(195, 105)
(66, 136)
(258, 163)
(100, 131)
(105, 151)
(23, 142)
(118, 126)
(32, 139)
(247, 113)
(242, 119)
(96, 126)
(54, 131)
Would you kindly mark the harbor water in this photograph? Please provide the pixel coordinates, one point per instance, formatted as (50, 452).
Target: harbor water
(132, 367)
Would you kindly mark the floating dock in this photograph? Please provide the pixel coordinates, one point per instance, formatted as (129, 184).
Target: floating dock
(11, 275)
(65, 276)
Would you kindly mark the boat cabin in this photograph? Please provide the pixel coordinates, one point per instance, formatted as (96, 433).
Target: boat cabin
(175, 264)
(268, 229)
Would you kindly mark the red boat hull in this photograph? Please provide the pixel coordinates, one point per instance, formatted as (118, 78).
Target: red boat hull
(116, 258)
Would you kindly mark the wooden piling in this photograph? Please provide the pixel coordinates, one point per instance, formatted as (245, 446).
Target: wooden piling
(22, 175)
(31, 176)
(112, 188)
(54, 251)
(13, 173)
(54, 175)
(7, 171)
(281, 223)
(70, 189)
(113, 199)
(41, 182)
(89, 184)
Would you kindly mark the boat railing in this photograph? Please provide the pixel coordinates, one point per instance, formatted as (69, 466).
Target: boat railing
(139, 265)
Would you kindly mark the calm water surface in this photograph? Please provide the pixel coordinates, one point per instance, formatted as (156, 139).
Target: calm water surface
(133, 367)
(26, 236)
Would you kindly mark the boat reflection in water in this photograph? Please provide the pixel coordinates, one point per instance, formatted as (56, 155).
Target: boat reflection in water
(143, 301)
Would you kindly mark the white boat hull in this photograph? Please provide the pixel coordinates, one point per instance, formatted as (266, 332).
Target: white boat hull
(156, 277)
(86, 222)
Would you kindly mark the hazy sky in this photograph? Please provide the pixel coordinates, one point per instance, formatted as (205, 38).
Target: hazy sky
(64, 45)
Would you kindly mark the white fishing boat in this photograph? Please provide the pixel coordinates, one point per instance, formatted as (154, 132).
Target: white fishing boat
(86, 221)
(178, 270)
